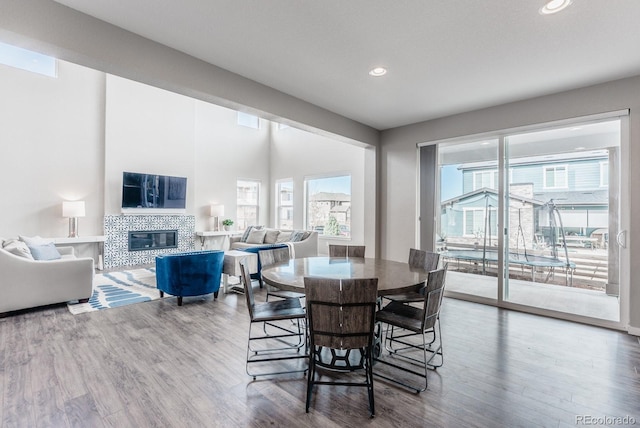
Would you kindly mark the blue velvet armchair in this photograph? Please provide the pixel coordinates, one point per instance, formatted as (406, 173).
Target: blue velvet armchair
(189, 274)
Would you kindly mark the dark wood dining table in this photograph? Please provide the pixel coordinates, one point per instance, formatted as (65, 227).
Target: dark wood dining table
(393, 277)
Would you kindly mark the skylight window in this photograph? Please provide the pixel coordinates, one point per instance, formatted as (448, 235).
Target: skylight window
(248, 120)
(28, 60)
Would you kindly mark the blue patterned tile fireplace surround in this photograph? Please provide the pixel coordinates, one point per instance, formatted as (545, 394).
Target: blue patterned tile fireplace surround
(117, 228)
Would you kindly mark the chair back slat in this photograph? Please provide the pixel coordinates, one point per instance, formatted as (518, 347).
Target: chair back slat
(275, 256)
(341, 312)
(426, 260)
(248, 289)
(434, 291)
(346, 250)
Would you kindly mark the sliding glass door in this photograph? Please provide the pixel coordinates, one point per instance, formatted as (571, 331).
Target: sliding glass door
(530, 219)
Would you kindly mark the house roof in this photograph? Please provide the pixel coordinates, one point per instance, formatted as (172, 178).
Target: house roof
(328, 196)
(595, 197)
(488, 191)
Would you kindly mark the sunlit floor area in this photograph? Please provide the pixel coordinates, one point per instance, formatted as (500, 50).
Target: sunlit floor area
(578, 301)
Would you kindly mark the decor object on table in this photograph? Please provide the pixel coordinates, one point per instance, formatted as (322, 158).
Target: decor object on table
(227, 223)
(217, 211)
(27, 283)
(73, 210)
(116, 289)
(342, 315)
(189, 274)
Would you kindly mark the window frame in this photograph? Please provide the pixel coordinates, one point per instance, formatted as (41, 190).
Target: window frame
(555, 168)
(306, 214)
(240, 205)
(280, 205)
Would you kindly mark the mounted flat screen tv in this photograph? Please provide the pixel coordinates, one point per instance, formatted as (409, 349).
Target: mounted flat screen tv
(153, 191)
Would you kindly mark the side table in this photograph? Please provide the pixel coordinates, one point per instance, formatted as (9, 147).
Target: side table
(98, 240)
(231, 267)
(219, 238)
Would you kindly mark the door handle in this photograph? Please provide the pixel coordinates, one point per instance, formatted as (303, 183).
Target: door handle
(621, 238)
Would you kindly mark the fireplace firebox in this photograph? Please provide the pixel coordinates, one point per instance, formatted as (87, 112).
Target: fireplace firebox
(152, 239)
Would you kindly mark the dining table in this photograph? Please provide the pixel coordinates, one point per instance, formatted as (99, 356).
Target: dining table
(393, 277)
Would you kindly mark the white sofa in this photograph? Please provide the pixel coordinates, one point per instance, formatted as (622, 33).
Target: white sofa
(27, 283)
(306, 247)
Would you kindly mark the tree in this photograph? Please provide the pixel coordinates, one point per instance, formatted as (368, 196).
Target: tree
(332, 227)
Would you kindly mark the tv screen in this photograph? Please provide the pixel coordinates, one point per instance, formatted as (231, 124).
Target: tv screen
(153, 191)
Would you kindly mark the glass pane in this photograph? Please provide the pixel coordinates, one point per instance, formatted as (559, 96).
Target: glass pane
(467, 225)
(329, 205)
(248, 195)
(560, 217)
(284, 190)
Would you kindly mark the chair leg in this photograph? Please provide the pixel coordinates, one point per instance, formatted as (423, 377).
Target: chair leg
(161, 293)
(179, 300)
(310, 381)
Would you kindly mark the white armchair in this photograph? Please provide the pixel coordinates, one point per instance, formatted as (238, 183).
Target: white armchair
(26, 283)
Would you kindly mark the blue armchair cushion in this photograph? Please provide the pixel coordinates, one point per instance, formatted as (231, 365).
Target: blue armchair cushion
(189, 274)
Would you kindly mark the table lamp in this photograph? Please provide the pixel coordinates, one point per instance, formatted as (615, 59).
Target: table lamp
(217, 211)
(73, 210)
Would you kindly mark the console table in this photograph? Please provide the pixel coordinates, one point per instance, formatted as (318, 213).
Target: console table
(98, 240)
(219, 238)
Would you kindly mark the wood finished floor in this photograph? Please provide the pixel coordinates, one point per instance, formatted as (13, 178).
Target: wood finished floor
(158, 365)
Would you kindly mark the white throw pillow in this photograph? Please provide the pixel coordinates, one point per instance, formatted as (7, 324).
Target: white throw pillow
(283, 237)
(272, 236)
(18, 248)
(256, 236)
(34, 240)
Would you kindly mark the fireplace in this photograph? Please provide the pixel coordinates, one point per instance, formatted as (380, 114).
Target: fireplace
(142, 240)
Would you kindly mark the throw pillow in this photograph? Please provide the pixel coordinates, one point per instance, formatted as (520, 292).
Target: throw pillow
(272, 236)
(247, 231)
(296, 236)
(283, 237)
(44, 252)
(18, 248)
(256, 236)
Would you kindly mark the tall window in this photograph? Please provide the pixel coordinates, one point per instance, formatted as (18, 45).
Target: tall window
(328, 205)
(284, 208)
(555, 177)
(248, 199)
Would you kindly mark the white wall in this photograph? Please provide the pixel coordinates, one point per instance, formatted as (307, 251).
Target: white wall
(297, 154)
(51, 147)
(399, 159)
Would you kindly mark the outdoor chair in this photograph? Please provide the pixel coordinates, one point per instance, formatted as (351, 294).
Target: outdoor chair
(341, 319)
(346, 250)
(413, 337)
(287, 341)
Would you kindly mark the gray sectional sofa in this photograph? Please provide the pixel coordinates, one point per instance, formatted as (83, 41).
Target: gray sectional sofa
(302, 243)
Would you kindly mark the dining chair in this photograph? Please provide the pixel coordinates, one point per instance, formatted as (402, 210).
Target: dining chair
(413, 338)
(272, 312)
(346, 250)
(418, 259)
(341, 319)
(273, 257)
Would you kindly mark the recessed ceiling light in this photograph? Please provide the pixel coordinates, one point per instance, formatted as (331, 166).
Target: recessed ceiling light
(554, 6)
(378, 71)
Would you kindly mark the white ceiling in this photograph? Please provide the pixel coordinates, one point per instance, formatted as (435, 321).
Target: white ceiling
(443, 57)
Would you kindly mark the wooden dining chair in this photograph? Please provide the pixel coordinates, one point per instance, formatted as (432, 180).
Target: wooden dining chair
(346, 250)
(272, 313)
(413, 338)
(418, 259)
(273, 257)
(341, 319)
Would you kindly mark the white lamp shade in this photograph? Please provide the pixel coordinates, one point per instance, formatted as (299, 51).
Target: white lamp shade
(217, 210)
(73, 209)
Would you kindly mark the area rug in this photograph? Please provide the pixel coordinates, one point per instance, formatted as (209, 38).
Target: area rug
(115, 289)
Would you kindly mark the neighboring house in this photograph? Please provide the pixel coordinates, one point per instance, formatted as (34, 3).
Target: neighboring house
(576, 183)
(323, 205)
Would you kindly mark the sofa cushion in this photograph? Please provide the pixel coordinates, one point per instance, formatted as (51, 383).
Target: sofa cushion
(256, 236)
(17, 248)
(283, 237)
(44, 252)
(34, 240)
(271, 236)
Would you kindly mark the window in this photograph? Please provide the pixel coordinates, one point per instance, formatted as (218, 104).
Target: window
(487, 179)
(248, 198)
(328, 205)
(27, 60)
(555, 177)
(604, 174)
(474, 222)
(248, 120)
(284, 205)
